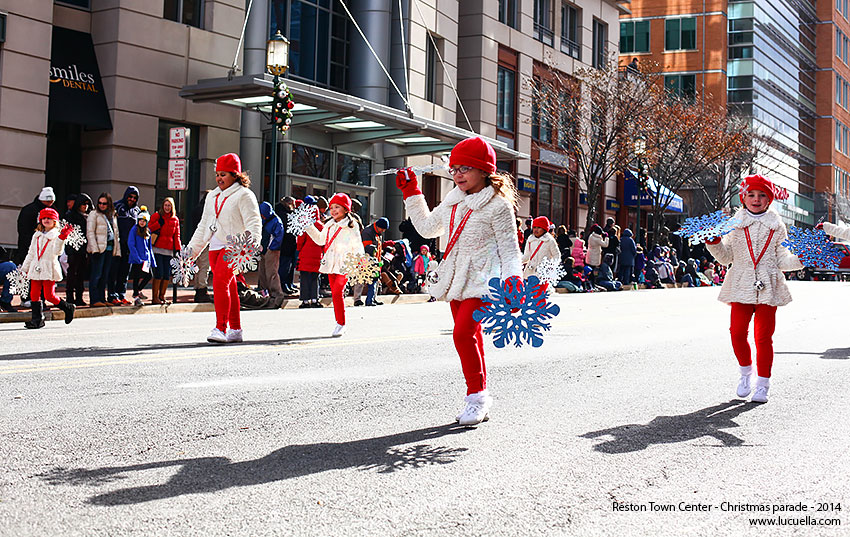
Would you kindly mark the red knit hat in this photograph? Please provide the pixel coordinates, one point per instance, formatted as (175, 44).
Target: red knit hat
(341, 199)
(228, 163)
(758, 182)
(541, 221)
(48, 212)
(475, 152)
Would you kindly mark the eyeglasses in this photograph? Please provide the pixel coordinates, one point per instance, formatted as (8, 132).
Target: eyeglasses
(103, 203)
(455, 170)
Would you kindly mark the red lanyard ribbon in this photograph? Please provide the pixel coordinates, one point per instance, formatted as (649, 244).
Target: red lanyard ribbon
(216, 207)
(535, 251)
(328, 244)
(456, 235)
(37, 242)
(750, 246)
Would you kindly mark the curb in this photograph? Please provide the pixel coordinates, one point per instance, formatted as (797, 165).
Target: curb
(85, 313)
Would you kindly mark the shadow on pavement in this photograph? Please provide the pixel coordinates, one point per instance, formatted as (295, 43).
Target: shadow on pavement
(89, 352)
(671, 429)
(209, 474)
(829, 354)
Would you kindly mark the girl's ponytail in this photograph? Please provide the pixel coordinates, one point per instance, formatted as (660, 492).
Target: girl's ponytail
(504, 186)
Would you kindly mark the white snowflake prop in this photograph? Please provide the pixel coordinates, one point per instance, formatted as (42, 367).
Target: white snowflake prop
(551, 271)
(76, 239)
(19, 283)
(361, 268)
(300, 219)
(242, 252)
(183, 267)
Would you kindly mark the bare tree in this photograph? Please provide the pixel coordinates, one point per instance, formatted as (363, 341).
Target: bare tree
(595, 115)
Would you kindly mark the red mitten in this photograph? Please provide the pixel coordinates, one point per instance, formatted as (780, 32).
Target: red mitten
(405, 180)
(819, 225)
(513, 283)
(65, 232)
(713, 240)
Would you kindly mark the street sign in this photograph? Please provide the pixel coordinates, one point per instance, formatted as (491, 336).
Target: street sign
(177, 173)
(178, 139)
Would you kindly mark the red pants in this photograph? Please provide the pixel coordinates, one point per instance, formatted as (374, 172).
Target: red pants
(49, 289)
(469, 343)
(338, 282)
(225, 293)
(764, 325)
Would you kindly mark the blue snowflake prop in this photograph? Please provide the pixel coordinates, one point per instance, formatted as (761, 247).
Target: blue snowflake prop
(526, 325)
(813, 247)
(700, 228)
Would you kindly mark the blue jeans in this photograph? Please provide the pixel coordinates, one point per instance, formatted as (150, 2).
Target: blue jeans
(5, 268)
(163, 267)
(119, 272)
(286, 271)
(370, 293)
(101, 264)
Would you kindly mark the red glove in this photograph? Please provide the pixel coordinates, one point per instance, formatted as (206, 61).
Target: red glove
(405, 180)
(819, 225)
(713, 240)
(65, 232)
(512, 284)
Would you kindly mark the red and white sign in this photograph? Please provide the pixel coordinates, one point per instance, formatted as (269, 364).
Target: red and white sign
(177, 174)
(177, 141)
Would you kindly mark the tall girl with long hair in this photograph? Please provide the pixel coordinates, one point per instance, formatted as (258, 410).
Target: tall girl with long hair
(230, 209)
(478, 219)
(165, 224)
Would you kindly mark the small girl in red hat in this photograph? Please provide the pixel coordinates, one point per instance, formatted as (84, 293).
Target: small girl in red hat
(755, 286)
(42, 266)
(339, 237)
(229, 209)
(539, 246)
(478, 219)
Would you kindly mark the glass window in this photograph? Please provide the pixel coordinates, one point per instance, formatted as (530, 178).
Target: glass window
(682, 85)
(353, 170)
(541, 126)
(600, 44)
(634, 36)
(543, 22)
(507, 12)
(85, 4)
(184, 11)
(430, 71)
(680, 34)
(311, 162)
(505, 98)
(570, 24)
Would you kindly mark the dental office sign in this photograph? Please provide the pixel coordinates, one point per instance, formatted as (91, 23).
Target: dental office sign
(76, 90)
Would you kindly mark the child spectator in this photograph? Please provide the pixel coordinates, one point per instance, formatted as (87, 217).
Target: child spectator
(539, 246)
(141, 255)
(605, 276)
(309, 261)
(578, 252)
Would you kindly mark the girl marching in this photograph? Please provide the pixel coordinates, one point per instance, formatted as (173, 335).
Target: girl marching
(42, 267)
(229, 209)
(478, 216)
(339, 237)
(539, 246)
(755, 286)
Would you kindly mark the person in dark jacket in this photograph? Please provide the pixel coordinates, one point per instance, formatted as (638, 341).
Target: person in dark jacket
(28, 220)
(678, 243)
(605, 276)
(628, 251)
(372, 237)
(269, 278)
(288, 252)
(613, 247)
(564, 242)
(640, 264)
(75, 278)
(126, 211)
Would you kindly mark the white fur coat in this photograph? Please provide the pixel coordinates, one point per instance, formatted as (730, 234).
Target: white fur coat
(548, 250)
(48, 267)
(595, 244)
(837, 230)
(738, 285)
(238, 214)
(347, 242)
(487, 247)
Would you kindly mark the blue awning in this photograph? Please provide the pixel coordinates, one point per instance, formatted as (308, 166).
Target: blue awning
(654, 191)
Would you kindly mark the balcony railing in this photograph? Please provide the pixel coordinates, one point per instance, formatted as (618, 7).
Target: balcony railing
(544, 35)
(570, 48)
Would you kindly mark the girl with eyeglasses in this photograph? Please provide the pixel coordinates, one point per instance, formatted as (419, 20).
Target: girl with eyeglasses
(477, 217)
(104, 245)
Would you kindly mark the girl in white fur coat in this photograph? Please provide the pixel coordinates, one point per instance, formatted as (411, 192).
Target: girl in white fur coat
(479, 222)
(539, 246)
(754, 284)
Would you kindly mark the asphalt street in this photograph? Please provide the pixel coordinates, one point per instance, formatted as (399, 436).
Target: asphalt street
(134, 425)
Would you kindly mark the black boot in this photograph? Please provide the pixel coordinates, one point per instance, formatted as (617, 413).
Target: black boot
(202, 296)
(68, 308)
(37, 318)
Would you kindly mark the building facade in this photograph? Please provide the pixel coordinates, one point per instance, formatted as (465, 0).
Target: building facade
(764, 62)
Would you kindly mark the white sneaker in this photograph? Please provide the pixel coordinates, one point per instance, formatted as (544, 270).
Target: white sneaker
(339, 330)
(217, 336)
(138, 302)
(234, 335)
(477, 409)
(760, 395)
(744, 387)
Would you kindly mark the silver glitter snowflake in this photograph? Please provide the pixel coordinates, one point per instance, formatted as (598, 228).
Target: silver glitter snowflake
(76, 239)
(183, 267)
(300, 219)
(19, 284)
(551, 271)
(242, 252)
(361, 268)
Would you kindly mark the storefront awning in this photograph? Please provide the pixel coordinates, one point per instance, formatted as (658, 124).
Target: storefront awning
(655, 194)
(76, 90)
(348, 119)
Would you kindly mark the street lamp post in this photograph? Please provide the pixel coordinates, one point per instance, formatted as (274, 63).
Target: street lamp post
(640, 151)
(277, 61)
